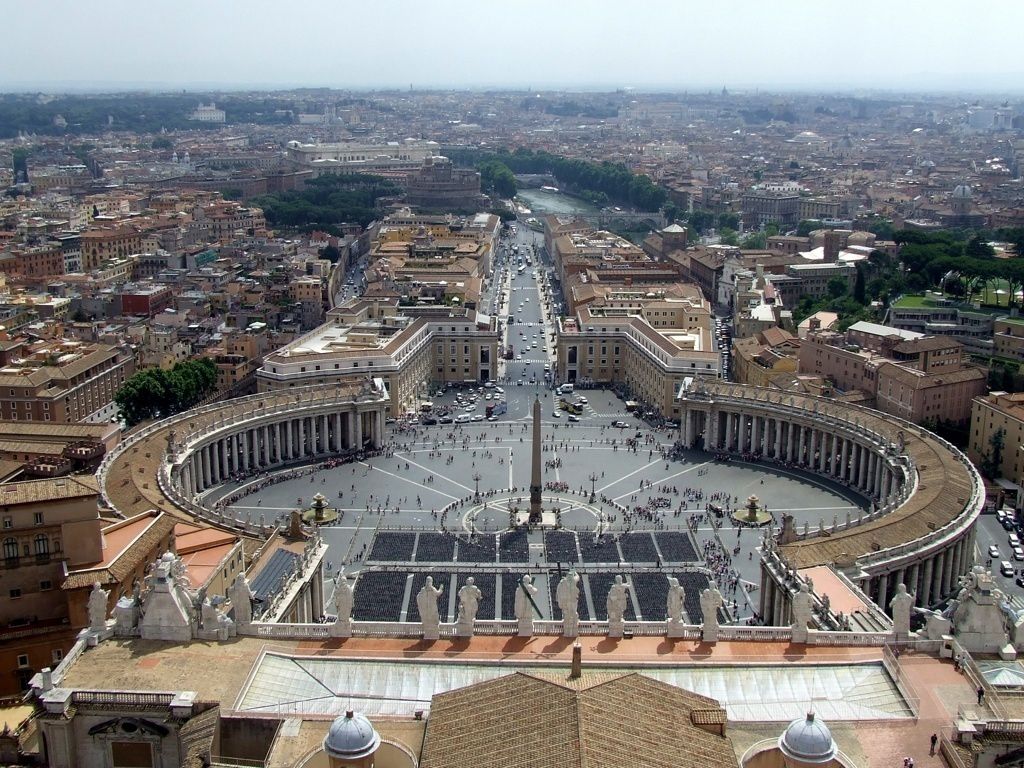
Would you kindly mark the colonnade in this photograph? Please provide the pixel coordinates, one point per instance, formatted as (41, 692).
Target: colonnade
(930, 576)
(854, 460)
(266, 443)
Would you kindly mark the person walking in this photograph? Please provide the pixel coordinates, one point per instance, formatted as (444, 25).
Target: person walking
(981, 695)
(934, 740)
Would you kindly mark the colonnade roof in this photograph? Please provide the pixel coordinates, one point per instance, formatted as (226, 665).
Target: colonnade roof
(131, 483)
(945, 481)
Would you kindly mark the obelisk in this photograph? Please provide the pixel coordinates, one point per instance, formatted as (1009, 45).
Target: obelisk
(536, 505)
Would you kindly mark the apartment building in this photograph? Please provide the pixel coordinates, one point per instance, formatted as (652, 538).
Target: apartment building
(99, 245)
(650, 348)
(764, 356)
(999, 412)
(61, 381)
(766, 206)
(937, 315)
(48, 528)
(1008, 337)
(919, 378)
(412, 349)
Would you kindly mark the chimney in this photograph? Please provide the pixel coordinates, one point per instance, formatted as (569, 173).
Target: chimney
(577, 661)
(814, 324)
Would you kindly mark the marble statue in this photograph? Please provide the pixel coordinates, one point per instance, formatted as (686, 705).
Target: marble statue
(802, 604)
(710, 602)
(169, 613)
(426, 601)
(214, 625)
(674, 606)
(343, 599)
(615, 604)
(98, 608)
(567, 595)
(524, 605)
(240, 594)
(900, 606)
(469, 603)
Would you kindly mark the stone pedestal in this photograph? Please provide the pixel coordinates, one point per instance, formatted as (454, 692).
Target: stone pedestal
(431, 631)
(341, 628)
(570, 627)
(525, 628)
(709, 632)
(674, 628)
(800, 634)
(464, 629)
(615, 628)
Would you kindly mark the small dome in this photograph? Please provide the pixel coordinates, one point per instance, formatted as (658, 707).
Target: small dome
(351, 737)
(962, 192)
(808, 740)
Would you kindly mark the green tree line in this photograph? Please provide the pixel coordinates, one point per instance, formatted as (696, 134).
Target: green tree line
(154, 393)
(600, 183)
(327, 201)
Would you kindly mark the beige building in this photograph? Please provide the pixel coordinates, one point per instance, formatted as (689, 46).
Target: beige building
(759, 359)
(919, 378)
(1008, 336)
(409, 348)
(994, 412)
(61, 381)
(650, 346)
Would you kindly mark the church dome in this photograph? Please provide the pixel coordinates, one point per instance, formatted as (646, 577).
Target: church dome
(351, 737)
(962, 192)
(808, 740)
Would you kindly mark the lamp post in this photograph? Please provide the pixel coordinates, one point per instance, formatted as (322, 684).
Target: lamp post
(593, 482)
(476, 480)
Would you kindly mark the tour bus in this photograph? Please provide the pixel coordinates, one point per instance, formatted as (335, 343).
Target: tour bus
(632, 406)
(426, 406)
(496, 409)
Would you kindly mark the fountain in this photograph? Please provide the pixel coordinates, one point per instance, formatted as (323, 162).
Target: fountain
(753, 514)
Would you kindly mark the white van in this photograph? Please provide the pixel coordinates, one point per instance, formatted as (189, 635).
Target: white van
(565, 389)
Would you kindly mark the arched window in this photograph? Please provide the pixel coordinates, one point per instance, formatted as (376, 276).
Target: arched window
(10, 549)
(42, 544)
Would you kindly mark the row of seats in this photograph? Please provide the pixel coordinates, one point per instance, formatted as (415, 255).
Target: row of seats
(598, 549)
(676, 547)
(378, 596)
(514, 547)
(560, 547)
(435, 547)
(651, 591)
(479, 549)
(638, 547)
(393, 546)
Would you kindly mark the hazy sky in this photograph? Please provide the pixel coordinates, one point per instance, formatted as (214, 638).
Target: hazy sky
(819, 44)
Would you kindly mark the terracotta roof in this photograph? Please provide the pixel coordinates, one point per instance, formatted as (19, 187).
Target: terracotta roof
(32, 491)
(144, 535)
(593, 722)
(919, 380)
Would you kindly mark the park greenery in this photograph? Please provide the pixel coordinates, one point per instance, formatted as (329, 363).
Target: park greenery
(599, 183)
(328, 201)
(154, 393)
(961, 265)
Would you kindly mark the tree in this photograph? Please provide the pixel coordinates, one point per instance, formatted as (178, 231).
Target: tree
(155, 393)
(729, 236)
(331, 253)
(162, 142)
(992, 464)
(859, 287)
(806, 226)
(754, 241)
(837, 287)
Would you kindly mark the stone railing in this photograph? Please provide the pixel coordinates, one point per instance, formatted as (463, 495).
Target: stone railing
(253, 407)
(903, 684)
(546, 627)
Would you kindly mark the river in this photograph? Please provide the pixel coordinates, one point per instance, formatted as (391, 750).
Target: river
(542, 202)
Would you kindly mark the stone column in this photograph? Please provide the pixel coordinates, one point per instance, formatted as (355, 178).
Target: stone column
(924, 599)
(728, 430)
(207, 477)
(777, 446)
(883, 588)
(939, 567)
(755, 435)
(845, 461)
(687, 424)
(359, 430)
(288, 444)
(338, 442)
